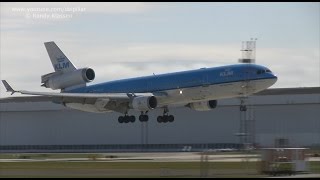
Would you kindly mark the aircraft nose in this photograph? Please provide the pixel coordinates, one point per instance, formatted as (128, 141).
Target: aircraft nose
(275, 77)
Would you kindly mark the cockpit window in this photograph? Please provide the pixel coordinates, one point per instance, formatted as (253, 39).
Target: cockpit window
(260, 71)
(263, 71)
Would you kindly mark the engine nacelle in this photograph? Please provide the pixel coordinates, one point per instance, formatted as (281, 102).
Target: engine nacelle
(64, 80)
(144, 103)
(203, 105)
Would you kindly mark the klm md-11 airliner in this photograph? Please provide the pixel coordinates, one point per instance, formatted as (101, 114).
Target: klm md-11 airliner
(197, 89)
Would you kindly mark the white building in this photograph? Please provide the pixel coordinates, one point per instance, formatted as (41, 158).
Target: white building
(287, 113)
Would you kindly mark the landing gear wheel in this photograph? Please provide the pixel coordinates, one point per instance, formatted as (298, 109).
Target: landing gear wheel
(126, 119)
(160, 119)
(120, 119)
(165, 119)
(143, 118)
(132, 118)
(170, 118)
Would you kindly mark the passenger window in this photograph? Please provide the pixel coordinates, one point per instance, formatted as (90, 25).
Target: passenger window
(259, 72)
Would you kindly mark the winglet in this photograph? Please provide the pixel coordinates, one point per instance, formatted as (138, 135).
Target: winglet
(8, 87)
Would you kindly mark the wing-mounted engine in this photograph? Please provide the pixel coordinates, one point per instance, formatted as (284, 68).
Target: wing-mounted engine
(62, 80)
(144, 103)
(203, 105)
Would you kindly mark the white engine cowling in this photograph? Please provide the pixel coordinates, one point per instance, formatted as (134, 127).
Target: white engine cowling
(61, 81)
(144, 103)
(203, 105)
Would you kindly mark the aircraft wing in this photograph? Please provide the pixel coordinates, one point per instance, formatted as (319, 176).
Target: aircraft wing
(112, 101)
(119, 102)
(26, 99)
(79, 95)
(124, 96)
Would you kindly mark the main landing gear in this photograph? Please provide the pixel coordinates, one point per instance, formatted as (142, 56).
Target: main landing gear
(126, 119)
(165, 118)
(143, 117)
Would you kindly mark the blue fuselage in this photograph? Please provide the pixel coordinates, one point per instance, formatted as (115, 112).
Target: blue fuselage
(182, 80)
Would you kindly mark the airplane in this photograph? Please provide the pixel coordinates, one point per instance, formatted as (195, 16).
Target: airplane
(198, 89)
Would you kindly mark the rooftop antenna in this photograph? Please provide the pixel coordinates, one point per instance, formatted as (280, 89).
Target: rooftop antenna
(248, 51)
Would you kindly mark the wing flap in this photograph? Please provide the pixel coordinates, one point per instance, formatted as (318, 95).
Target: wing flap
(123, 96)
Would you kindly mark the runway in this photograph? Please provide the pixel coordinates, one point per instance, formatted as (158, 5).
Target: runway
(150, 157)
(154, 157)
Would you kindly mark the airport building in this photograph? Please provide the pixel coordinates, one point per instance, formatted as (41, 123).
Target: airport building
(288, 114)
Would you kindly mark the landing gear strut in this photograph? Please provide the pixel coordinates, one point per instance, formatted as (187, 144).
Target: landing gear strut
(242, 106)
(165, 118)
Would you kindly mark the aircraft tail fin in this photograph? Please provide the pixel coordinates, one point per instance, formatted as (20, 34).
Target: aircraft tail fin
(59, 60)
(66, 75)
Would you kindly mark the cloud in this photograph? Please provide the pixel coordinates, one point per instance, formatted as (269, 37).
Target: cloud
(161, 52)
(295, 67)
(24, 59)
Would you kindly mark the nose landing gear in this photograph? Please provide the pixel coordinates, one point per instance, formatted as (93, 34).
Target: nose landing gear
(242, 106)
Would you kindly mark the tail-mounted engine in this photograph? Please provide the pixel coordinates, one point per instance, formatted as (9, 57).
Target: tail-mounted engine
(62, 80)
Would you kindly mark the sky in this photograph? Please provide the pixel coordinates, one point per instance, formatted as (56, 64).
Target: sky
(123, 40)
